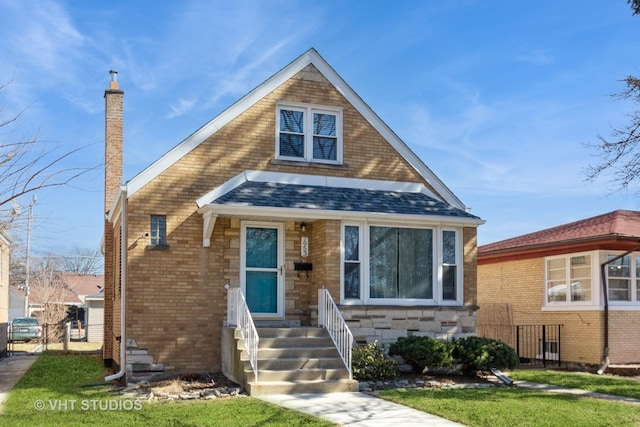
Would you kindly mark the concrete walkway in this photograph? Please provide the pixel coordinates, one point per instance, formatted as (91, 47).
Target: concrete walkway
(357, 409)
(12, 368)
(363, 410)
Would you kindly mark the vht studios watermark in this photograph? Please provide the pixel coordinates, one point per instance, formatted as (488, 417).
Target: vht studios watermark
(87, 405)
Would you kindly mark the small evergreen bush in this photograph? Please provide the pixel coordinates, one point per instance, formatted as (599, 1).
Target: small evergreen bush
(482, 354)
(370, 364)
(422, 352)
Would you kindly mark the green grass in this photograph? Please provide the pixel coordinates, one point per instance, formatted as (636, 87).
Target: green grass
(512, 406)
(503, 406)
(59, 380)
(617, 386)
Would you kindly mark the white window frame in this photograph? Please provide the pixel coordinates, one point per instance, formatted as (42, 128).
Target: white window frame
(593, 277)
(634, 278)
(437, 300)
(308, 111)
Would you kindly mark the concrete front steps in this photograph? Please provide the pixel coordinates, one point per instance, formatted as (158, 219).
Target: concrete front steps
(295, 360)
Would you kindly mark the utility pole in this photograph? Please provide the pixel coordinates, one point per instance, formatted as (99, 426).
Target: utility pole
(26, 278)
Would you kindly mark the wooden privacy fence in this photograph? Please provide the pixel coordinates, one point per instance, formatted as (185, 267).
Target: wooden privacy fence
(534, 344)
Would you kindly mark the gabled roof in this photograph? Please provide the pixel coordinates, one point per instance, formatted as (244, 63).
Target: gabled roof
(620, 224)
(309, 57)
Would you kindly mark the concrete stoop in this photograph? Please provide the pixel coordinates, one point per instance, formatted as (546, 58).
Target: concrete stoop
(140, 365)
(295, 360)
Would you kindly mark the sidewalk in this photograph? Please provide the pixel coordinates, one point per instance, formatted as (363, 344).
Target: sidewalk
(357, 409)
(575, 392)
(12, 368)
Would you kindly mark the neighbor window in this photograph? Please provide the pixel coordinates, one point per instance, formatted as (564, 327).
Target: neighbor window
(619, 273)
(395, 265)
(158, 234)
(311, 134)
(572, 270)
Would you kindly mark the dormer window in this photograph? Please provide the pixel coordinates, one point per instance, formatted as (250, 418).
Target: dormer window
(309, 133)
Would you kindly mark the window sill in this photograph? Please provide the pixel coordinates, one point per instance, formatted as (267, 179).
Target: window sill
(157, 248)
(305, 163)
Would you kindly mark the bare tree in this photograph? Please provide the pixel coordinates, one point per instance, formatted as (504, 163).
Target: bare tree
(618, 154)
(48, 294)
(83, 261)
(28, 164)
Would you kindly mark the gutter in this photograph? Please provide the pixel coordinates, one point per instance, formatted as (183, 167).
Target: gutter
(603, 277)
(123, 289)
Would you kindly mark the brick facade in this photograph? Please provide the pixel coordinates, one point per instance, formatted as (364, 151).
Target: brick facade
(176, 297)
(512, 293)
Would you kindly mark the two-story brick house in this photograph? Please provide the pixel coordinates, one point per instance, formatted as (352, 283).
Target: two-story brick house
(297, 186)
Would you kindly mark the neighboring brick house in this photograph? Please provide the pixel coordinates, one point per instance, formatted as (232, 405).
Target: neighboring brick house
(297, 186)
(523, 281)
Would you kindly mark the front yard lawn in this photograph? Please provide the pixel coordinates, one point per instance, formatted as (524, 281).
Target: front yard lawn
(65, 390)
(511, 406)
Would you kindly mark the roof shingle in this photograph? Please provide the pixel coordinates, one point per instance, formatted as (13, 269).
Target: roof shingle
(620, 223)
(270, 194)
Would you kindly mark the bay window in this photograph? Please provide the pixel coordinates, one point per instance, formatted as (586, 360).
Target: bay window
(384, 264)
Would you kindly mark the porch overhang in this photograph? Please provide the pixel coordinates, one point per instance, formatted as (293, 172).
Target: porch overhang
(267, 195)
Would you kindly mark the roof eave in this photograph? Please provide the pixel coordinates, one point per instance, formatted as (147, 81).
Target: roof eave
(544, 249)
(316, 214)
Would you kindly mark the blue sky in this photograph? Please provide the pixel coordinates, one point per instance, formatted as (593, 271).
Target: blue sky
(497, 97)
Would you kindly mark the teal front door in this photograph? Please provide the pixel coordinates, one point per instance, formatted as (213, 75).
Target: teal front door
(262, 271)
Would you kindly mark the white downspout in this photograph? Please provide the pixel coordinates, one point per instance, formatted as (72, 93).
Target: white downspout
(123, 288)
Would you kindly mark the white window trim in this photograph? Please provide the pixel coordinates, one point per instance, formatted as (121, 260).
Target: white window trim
(459, 264)
(635, 302)
(438, 274)
(308, 110)
(595, 282)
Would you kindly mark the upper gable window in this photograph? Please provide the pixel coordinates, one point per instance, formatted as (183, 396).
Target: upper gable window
(309, 134)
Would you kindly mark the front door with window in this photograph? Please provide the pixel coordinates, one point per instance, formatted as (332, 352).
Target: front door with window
(261, 268)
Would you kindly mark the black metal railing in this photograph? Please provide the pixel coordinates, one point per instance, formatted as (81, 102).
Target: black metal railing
(535, 344)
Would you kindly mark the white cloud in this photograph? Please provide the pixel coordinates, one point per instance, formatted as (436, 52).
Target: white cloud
(184, 105)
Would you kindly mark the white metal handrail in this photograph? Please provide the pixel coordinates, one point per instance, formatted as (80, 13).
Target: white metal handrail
(331, 319)
(238, 315)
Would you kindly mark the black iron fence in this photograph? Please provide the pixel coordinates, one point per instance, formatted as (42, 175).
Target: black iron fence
(535, 344)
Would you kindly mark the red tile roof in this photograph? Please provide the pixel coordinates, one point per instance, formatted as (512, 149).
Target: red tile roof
(618, 223)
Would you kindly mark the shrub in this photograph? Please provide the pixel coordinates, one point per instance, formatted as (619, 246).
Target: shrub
(482, 354)
(422, 352)
(370, 364)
